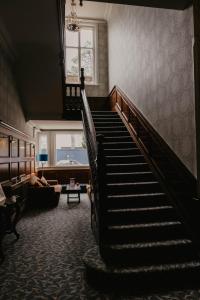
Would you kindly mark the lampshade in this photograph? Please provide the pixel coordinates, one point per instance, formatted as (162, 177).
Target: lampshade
(43, 157)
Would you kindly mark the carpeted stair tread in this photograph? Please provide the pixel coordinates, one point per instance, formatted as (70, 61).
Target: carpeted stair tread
(152, 244)
(146, 225)
(125, 210)
(93, 259)
(146, 195)
(127, 164)
(143, 230)
(140, 215)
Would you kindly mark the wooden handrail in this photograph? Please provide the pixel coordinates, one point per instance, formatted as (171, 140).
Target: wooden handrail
(91, 128)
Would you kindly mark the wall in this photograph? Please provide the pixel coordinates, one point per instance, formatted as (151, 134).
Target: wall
(11, 110)
(150, 59)
(101, 89)
(17, 150)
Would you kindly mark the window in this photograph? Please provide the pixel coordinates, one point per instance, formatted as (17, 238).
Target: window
(80, 53)
(70, 149)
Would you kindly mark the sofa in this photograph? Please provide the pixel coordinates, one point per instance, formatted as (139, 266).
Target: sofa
(46, 196)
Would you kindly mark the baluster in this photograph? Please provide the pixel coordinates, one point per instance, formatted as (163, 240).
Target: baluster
(82, 79)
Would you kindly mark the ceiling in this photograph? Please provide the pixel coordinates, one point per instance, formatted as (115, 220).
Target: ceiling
(91, 10)
(57, 125)
(172, 4)
(33, 27)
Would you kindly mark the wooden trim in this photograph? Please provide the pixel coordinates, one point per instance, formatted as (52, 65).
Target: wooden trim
(177, 178)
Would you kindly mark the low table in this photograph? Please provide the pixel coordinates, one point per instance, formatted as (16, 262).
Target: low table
(74, 191)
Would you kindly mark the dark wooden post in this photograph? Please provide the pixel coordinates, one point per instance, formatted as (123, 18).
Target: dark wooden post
(196, 13)
(82, 79)
(81, 2)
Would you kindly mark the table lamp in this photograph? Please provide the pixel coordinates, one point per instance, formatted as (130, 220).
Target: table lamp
(43, 158)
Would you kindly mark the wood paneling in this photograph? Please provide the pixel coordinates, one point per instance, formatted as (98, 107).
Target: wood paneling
(81, 175)
(176, 177)
(4, 172)
(17, 155)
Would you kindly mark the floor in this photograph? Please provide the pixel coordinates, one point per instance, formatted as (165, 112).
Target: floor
(46, 262)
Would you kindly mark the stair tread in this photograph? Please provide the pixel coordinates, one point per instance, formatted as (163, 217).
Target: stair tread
(128, 173)
(144, 225)
(124, 156)
(129, 164)
(151, 208)
(155, 268)
(136, 195)
(133, 183)
(177, 242)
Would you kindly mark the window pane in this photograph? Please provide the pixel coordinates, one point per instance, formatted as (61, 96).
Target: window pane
(86, 38)
(87, 62)
(72, 65)
(71, 39)
(43, 144)
(70, 149)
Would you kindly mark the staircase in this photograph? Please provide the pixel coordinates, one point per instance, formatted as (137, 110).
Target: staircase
(145, 241)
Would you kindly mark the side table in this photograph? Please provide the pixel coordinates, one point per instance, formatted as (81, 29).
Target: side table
(75, 190)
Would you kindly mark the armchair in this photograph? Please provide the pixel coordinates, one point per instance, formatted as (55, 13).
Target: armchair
(44, 196)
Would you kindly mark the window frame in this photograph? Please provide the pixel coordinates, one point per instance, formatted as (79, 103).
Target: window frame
(94, 27)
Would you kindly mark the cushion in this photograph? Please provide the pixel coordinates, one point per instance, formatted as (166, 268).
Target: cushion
(34, 180)
(44, 181)
(58, 188)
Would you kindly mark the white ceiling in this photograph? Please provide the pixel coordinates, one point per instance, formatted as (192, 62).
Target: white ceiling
(89, 10)
(57, 125)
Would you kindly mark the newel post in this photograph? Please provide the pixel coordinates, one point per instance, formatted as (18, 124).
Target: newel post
(82, 79)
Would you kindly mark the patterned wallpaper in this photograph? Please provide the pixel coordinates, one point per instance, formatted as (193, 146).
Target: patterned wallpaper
(101, 90)
(151, 60)
(11, 111)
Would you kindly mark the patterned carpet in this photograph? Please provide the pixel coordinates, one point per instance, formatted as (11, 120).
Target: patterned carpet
(46, 262)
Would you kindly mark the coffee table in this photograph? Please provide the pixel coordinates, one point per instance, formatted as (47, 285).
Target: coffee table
(73, 192)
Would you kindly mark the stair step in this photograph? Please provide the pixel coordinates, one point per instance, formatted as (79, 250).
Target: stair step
(118, 139)
(137, 200)
(104, 112)
(112, 133)
(124, 159)
(111, 124)
(135, 187)
(112, 129)
(122, 151)
(129, 176)
(140, 215)
(142, 279)
(152, 231)
(126, 167)
(122, 145)
(147, 253)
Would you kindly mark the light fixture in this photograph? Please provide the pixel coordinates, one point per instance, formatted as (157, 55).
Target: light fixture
(43, 158)
(72, 20)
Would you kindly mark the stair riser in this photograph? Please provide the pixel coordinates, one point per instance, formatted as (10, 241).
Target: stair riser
(148, 256)
(149, 201)
(144, 234)
(119, 139)
(112, 133)
(112, 124)
(104, 112)
(113, 129)
(128, 189)
(118, 145)
(140, 217)
(127, 168)
(122, 152)
(125, 160)
(130, 178)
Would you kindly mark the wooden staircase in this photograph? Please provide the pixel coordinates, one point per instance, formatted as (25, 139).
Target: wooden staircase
(145, 239)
